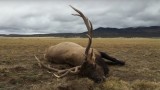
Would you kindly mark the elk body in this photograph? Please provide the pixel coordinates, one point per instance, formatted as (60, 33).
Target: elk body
(68, 52)
(85, 61)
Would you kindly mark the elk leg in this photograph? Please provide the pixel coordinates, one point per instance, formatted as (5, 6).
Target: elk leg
(114, 60)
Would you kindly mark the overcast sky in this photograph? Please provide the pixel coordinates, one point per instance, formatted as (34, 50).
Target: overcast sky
(54, 16)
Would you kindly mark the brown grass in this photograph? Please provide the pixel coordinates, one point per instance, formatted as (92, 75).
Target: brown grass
(19, 69)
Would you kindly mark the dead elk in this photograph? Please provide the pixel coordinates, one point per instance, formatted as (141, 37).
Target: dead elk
(87, 62)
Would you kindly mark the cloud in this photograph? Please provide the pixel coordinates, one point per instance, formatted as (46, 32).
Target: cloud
(30, 17)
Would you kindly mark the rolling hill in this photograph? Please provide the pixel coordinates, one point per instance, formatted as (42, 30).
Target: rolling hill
(152, 31)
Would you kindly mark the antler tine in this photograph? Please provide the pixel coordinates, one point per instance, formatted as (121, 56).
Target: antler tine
(42, 65)
(91, 30)
(90, 40)
(60, 76)
(73, 70)
(86, 21)
(89, 27)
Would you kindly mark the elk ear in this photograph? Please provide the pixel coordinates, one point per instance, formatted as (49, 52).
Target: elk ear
(92, 57)
(92, 52)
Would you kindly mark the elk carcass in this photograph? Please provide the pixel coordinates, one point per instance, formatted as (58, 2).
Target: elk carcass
(85, 61)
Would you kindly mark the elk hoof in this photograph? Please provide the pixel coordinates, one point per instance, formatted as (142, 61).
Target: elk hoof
(121, 63)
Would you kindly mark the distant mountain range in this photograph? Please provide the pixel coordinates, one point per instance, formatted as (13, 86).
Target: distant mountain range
(152, 31)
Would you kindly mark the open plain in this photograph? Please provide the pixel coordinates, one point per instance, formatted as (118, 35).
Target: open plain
(19, 69)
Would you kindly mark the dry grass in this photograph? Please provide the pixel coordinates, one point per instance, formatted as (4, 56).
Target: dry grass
(19, 69)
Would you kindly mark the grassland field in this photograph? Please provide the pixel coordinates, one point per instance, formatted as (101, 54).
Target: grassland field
(19, 69)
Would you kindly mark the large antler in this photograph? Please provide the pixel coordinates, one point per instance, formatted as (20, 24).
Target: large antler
(89, 28)
(74, 70)
(63, 72)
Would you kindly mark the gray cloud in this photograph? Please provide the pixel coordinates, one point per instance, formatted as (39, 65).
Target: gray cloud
(30, 17)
